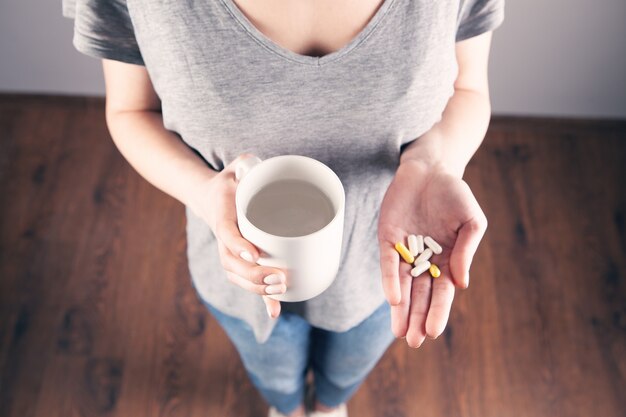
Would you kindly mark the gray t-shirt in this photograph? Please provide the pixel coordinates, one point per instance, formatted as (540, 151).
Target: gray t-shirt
(226, 88)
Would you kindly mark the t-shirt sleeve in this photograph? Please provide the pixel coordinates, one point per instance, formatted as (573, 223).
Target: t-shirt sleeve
(478, 16)
(103, 29)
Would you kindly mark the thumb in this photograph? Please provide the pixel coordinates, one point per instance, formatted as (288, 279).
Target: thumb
(272, 306)
(233, 164)
(240, 165)
(389, 264)
(468, 238)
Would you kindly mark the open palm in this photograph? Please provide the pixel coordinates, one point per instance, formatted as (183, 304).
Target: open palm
(427, 201)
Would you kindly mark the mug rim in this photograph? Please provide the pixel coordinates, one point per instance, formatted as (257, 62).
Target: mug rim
(325, 167)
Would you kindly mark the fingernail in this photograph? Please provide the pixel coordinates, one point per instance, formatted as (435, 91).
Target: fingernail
(269, 313)
(246, 256)
(275, 289)
(467, 280)
(274, 279)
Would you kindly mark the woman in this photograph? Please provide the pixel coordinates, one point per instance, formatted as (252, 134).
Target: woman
(392, 95)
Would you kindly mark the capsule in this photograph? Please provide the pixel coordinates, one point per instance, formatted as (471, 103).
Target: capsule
(430, 242)
(404, 252)
(413, 245)
(424, 256)
(434, 271)
(420, 244)
(420, 268)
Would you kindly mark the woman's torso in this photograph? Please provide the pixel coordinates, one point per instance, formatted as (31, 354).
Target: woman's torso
(227, 88)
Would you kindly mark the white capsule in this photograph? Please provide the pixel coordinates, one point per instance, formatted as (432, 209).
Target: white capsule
(413, 245)
(424, 256)
(420, 268)
(430, 242)
(420, 244)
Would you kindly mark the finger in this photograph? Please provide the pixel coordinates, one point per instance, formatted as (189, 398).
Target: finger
(257, 289)
(465, 247)
(389, 264)
(254, 278)
(272, 306)
(400, 311)
(420, 302)
(440, 304)
(227, 231)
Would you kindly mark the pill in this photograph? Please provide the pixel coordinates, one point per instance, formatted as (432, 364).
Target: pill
(413, 245)
(430, 242)
(434, 271)
(420, 268)
(404, 252)
(424, 256)
(420, 244)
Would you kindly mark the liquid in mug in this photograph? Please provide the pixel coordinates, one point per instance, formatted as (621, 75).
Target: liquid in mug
(290, 208)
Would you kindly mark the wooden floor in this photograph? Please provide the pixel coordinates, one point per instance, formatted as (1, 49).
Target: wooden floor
(98, 316)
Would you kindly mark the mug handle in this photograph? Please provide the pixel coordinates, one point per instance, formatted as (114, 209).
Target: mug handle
(244, 166)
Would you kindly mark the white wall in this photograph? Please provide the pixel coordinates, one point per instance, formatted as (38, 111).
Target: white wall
(560, 57)
(550, 57)
(36, 51)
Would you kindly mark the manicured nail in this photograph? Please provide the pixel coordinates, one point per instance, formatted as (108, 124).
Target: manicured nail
(269, 313)
(275, 289)
(467, 280)
(246, 256)
(274, 279)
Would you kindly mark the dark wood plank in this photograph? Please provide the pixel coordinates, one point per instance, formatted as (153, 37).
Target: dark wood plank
(98, 316)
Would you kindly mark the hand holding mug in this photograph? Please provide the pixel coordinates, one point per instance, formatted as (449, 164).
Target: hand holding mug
(216, 206)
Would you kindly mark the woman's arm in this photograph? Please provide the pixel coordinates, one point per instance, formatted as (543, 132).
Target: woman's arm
(163, 159)
(427, 196)
(452, 142)
(133, 115)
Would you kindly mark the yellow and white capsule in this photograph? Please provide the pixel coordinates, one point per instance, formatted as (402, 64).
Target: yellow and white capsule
(434, 271)
(404, 252)
(412, 239)
(420, 268)
(430, 242)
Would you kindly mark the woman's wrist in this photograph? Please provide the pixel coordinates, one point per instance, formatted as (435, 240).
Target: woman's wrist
(430, 154)
(198, 190)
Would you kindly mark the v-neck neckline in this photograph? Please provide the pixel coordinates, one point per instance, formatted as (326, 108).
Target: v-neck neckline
(290, 55)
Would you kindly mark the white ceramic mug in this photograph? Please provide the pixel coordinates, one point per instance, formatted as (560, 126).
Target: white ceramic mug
(311, 261)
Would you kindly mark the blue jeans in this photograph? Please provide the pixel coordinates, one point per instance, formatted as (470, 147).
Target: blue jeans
(340, 361)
